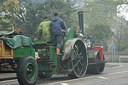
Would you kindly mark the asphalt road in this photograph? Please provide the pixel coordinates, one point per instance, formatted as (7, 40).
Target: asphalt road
(114, 74)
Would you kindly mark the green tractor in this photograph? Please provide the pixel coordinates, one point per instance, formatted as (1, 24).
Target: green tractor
(31, 60)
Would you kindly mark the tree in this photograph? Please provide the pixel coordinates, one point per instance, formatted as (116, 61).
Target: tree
(120, 33)
(33, 12)
(101, 13)
(11, 6)
(5, 22)
(64, 9)
(100, 32)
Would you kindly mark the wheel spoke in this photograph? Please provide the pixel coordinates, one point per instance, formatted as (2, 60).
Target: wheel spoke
(30, 69)
(81, 71)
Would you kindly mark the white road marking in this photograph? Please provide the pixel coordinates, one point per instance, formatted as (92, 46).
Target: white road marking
(92, 82)
(8, 81)
(118, 73)
(119, 65)
(64, 84)
(70, 80)
(88, 78)
(103, 77)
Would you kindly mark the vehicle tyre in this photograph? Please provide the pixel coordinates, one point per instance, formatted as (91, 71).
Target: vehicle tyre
(27, 71)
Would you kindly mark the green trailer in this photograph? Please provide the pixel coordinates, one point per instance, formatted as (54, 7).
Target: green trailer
(17, 52)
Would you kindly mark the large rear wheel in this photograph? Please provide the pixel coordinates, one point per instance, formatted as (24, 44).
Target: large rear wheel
(27, 71)
(79, 60)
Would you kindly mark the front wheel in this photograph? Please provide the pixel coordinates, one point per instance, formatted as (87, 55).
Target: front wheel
(98, 67)
(27, 71)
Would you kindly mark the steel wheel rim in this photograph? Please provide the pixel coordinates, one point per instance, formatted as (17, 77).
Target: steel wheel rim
(30, 71)
(79, 53)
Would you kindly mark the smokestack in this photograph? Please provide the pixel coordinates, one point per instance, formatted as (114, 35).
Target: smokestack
(81, 21)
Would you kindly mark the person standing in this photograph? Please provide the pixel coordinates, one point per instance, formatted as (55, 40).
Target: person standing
(44, 29)
(56, 27)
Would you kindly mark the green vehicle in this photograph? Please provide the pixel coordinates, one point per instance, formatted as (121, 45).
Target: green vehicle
(38, 59)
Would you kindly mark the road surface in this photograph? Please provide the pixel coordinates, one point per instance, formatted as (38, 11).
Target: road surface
(114, 74)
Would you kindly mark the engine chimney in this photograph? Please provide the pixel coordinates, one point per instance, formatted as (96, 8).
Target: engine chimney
(81, 21)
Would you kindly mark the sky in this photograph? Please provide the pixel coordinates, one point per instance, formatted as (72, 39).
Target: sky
(122, 11)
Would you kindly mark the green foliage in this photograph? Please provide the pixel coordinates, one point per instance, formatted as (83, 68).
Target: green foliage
(4, 22)
(11, 6)
(34, 13)
(101, 11)
(64, 9)
(100, 32)
(99, 18)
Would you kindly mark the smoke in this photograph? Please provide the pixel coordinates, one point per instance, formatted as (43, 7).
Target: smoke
(79, 4)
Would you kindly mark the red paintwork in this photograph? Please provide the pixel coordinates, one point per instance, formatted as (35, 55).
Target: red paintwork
(100, 50)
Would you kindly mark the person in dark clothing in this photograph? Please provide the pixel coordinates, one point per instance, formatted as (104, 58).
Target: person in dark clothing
(56, 27)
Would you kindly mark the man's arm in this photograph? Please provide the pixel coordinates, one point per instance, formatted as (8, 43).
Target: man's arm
(63, 25)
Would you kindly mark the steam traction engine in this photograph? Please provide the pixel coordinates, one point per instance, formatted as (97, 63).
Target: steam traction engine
(31, 60)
